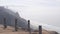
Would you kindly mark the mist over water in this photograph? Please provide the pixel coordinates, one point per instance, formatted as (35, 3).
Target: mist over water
(48, 18)
(39, 12)
(48, 22)
(45, 26)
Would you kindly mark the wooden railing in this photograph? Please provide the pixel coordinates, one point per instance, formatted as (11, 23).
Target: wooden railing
(16, 28)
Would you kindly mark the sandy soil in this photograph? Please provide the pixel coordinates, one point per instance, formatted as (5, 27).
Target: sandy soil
(10, 30)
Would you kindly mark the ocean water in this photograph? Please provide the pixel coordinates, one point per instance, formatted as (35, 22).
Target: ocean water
(45, 26)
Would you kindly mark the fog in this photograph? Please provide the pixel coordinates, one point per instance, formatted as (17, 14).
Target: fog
(38, 11)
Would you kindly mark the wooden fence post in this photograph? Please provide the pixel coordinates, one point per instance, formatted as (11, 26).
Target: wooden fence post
(29, 27)
(5, 24)
(40, 29)
(15, 24)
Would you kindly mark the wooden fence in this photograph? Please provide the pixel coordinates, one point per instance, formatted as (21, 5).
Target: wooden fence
(16, 28)
(5, 24)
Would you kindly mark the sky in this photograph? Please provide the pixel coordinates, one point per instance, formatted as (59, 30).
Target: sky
(40, 11)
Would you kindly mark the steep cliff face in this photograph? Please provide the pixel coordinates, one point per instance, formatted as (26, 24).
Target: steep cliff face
(10, 18)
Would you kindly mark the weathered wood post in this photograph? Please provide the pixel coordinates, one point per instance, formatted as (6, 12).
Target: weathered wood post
(40, 29)
(15, 24)
(5, 24)
(29, 27)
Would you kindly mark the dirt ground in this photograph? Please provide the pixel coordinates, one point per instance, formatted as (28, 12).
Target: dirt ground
(10, 30)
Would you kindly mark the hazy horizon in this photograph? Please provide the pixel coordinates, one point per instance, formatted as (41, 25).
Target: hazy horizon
(40, 11)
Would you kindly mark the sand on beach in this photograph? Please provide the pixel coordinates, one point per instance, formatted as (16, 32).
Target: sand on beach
(10, 30)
